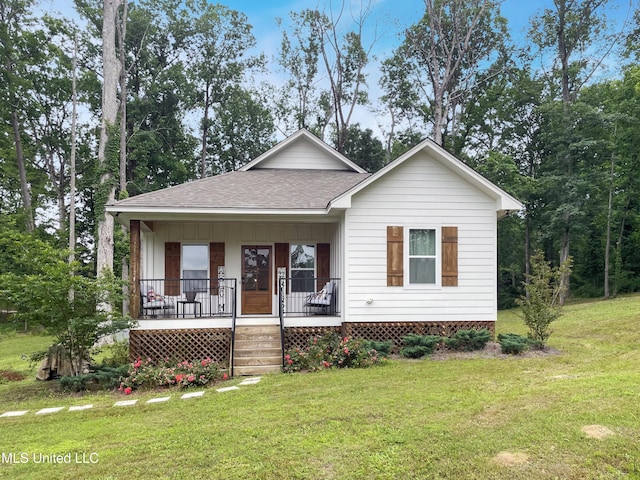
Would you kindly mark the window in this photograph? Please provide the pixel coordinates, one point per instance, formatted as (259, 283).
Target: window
(422, 256)
(303, 262)
(195, 268)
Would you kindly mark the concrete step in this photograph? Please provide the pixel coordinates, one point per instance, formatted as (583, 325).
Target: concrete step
(257, 369)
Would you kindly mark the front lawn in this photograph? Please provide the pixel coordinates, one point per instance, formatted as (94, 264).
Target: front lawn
(481, 418)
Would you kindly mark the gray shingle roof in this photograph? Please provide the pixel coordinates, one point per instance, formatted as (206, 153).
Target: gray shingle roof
(262, 189)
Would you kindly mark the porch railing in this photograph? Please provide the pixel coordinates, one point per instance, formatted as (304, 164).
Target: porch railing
(309, 296)
(187, 298)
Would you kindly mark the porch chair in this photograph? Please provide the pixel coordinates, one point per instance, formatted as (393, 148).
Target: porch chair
(322, 302)
(152, 302)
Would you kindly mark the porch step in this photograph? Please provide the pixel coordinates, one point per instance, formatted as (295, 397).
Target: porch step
(257, 370)
(257, 350)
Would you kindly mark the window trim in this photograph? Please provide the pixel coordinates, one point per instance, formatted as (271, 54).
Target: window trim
(315, 264)
(206, 262)
(407, 257)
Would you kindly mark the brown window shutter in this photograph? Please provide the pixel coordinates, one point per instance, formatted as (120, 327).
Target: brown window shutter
(395, 260)
(172, 268)
(323, 265)
(216, 259)
(282, 257)
(449, 256)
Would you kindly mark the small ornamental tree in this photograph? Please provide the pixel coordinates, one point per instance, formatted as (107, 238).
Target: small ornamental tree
(49, 292)
(541, 302)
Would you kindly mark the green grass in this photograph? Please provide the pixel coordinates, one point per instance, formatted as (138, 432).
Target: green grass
(408, 419)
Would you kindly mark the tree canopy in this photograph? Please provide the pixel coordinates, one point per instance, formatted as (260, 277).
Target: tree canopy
(189, 93)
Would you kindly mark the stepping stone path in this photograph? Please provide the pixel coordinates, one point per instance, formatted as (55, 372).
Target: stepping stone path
(130, 403)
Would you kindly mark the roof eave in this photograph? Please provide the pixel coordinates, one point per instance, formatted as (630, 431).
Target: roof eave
(124, 214)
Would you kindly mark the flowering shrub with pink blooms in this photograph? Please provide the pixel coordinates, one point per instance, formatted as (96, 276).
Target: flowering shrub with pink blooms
(146, 374)
(331, 351)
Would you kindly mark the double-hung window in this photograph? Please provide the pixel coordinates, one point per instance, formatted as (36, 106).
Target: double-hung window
(303, 263)
(195, 268)
(423, 256)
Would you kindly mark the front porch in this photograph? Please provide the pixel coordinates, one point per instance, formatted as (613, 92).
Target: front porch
(213, 302)
(198, 318)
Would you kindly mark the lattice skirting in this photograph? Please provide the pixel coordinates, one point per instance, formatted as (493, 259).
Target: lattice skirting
(181, 345)
(383, 331)
(298, 337)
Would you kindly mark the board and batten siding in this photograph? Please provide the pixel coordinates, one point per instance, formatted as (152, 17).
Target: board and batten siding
(421, 193)
(232, 235)
(303, 155)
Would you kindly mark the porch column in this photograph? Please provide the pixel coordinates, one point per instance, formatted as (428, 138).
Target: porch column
(134, 268)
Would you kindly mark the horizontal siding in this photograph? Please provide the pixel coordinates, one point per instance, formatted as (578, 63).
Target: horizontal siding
(303, 155)
(419, 193)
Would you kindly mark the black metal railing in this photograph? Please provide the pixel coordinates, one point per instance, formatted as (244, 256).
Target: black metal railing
(309, 296)
(187, 298)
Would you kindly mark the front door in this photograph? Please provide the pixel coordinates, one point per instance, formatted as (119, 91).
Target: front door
(256, 280)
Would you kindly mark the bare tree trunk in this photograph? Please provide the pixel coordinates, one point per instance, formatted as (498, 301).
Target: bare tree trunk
(111, 74)
(22, 170)
(72, 161)
(205, 130)
(122, 35)
(607, 247)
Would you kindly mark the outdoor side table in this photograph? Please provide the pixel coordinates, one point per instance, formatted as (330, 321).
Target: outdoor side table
(197, 307)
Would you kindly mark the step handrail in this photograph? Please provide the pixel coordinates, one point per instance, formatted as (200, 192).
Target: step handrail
(281, 299)
(233, 327)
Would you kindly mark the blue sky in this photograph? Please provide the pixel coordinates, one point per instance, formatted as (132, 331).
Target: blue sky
(389, 18)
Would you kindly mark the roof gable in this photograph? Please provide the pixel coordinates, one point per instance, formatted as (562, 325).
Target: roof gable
(428, 149)
(302, 151)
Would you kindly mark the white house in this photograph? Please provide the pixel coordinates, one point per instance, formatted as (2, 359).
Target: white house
(236, 257)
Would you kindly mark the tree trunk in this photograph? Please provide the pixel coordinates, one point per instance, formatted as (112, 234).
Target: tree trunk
(72, 160)
(607, 247)
(111, 74)
(205, 130)
(22, 170)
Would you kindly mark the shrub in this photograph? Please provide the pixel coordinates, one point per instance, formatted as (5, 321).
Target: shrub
(99, 378)
(513, 344)
(183, 374)
(468, 340)
(383, 348)
(118, 354)
(418, 346)
(330, 351)
(541, 305)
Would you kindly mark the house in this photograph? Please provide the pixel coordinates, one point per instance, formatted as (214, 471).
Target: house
(226, 267)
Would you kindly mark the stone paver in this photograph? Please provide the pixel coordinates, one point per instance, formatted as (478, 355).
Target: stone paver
(192, 395)
(158, 400)
(45, 411)
(227, 389)
(250, 381)
(79, 408)
(127, 403)
(17, 413)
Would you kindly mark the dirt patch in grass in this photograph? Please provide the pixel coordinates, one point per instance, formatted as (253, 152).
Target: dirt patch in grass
(511, 459)
(492, 350)
(11, 376)
(596, 431)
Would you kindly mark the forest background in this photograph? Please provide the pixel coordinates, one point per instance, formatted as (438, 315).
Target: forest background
(117, 98)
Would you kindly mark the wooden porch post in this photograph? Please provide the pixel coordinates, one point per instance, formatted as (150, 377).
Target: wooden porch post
(134, 274)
